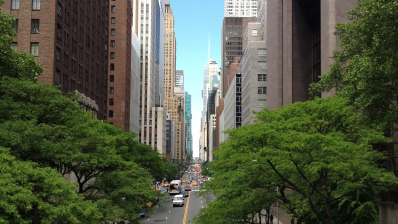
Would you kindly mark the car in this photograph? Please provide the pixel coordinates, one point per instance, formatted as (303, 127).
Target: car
(165, 185)
(162, 191)
(187, 182)
(141, 213)
(149, 204)
(187, 188)
(178, 200)
(185, 193)
(194, 184)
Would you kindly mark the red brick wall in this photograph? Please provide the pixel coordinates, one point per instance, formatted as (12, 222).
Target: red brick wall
(122, 63)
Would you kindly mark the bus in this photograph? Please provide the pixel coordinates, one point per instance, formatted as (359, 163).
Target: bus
(175, 187)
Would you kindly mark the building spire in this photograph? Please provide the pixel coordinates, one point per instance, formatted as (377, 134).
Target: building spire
(208, 53)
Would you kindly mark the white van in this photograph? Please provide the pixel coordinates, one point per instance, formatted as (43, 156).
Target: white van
(178, 200)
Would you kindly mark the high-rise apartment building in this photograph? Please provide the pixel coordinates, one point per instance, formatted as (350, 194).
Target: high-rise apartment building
(69, 39)
(174, 100)
(232, 44)
(240, 8)
(119, 74)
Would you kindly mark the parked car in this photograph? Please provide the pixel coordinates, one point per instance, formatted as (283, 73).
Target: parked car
(185, 193)
(187, 188)
(194, 184)
(141, 213)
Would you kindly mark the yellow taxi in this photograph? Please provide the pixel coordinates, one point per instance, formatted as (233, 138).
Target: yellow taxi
(149, 204)
(165, 185)
(184, 181)
(194, 184)
(187, 182)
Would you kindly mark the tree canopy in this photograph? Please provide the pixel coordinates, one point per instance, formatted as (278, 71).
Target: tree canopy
(366, 67)
(319, 154)
(44, 135)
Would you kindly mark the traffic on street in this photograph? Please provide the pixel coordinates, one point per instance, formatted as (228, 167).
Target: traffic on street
(173, 210)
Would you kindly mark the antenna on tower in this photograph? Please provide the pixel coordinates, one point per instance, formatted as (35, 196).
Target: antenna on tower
(208, 53)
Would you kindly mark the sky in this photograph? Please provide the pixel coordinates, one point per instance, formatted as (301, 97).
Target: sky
(193, 22)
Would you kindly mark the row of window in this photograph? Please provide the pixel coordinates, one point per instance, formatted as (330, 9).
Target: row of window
(34, 48)
(15, 4)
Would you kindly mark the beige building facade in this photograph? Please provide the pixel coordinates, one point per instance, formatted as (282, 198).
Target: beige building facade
(174, 97)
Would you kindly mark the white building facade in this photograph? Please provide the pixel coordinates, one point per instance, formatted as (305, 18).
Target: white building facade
(240, 8)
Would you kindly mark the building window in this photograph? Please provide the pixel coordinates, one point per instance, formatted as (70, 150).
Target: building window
(111, 90)
(59, 9)
(254, 32)
(111, 78)
(59, 33)
(112, 66)
(262, 52)
(111, 102)
(262, 90)
(14, 4)
(58, 54)
(113, 8)
(57, 75)
(35, 4)
(112, 32)
(110, 113)
(262, 65)
(262, 103)
(112, 55)
(262, 77)
(15, 25)
(35, 24)
(112, 43)
(14, 46)
(113, 20)
(34, 49)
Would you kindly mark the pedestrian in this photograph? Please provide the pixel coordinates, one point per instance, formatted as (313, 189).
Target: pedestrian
(271, 217)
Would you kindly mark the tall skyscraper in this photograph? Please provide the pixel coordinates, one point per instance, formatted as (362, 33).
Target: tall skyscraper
(232, 44)
(300, 42)
(174, 100)
(209, 69)
(240, 8)
(70, 41)
(145, 13)
(188, 119)
(119, 80)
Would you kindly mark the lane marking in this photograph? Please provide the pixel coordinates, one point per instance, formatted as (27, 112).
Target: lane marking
(166, 218)
(202, 206)
(200, 202)
(186, 209)
(148, 220)
(169, 211)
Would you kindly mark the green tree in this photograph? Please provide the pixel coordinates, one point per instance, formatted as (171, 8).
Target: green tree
(40, 124)
(319, 153)
(14, 63)
(30, 194)
(365, 69)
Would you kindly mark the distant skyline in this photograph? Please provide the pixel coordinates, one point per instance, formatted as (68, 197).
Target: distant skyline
(194, 21)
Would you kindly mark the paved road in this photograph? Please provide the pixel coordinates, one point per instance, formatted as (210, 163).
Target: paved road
(167, 214)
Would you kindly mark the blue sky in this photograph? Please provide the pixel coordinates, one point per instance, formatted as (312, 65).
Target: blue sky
(194, 20)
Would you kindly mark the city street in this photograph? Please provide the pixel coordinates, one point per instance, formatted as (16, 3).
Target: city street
(166, 213)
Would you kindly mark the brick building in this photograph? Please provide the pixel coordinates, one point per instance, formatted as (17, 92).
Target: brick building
(69, 39)
(120, 48)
